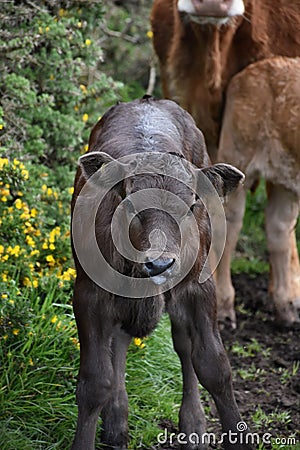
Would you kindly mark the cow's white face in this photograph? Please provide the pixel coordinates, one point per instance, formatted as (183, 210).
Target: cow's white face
(211, 11)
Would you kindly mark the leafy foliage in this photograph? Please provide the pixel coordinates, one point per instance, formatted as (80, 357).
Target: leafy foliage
(51, 85)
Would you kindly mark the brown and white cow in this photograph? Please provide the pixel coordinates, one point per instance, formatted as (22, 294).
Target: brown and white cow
(116, 296)
(201, 45)
(261, 134)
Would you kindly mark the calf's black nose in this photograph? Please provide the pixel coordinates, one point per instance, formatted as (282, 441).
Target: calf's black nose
(158, 266)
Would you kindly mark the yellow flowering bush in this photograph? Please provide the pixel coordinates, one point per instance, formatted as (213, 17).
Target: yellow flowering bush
(35, 237)
(35, 256)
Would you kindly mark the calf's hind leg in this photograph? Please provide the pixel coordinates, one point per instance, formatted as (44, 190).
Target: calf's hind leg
(281, 217)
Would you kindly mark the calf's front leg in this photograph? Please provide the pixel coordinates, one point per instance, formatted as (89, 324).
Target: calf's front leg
(191, 415)
(96, 373)
(114, 414)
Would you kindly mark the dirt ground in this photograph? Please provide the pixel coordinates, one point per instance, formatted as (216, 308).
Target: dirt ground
(264, 361)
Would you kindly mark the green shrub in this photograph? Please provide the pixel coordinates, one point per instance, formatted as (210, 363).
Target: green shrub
(51, 84)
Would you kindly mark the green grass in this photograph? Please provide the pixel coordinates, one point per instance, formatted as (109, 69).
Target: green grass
(37, 401)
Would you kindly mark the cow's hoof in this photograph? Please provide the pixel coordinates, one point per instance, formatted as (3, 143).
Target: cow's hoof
(287, 316)
(227, 319)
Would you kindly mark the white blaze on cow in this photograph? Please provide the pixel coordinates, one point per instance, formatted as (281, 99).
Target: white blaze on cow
(212, 9)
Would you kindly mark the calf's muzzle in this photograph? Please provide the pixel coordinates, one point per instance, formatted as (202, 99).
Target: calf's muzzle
(157, 266)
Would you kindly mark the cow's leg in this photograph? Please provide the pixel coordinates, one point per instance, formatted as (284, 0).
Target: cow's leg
(96, 374)
(191, 415)
(211, 363)
(281, 216)
(234, 211)
(115, 412)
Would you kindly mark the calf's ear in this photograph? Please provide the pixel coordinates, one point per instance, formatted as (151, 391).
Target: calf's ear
(224, 177)
(91, 162)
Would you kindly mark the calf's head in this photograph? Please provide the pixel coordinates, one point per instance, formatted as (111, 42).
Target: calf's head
(160, 223)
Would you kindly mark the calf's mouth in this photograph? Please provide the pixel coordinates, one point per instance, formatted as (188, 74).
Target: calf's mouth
(159, 269)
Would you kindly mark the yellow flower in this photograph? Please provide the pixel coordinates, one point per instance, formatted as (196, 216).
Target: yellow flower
(26, 281)
(3, 162)
(45, 246)
(84, 149)
(52, 247)
(30, 241)
(150, 34)
(50, 260)
(88, 42)
(16, 331)
(54, 319)
(51, 77)
(47, 29)
(61, 12)
(1, 249)
(83, 88)
(79, 24)
(68, 274)
(33, 212)
(85, 117)
(30, 362)
(1, 126)
(49, 192)
(16, 162)
(18, 203)
(14, 251)
(25, 174)
(40, 30)
(25, 215)
(5, 193)
(71, 190)
(4, 295)
(44, 188)
(4, 277)
(138, 342)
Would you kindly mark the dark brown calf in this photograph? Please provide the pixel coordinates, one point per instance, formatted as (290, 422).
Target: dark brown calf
(138, 218)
